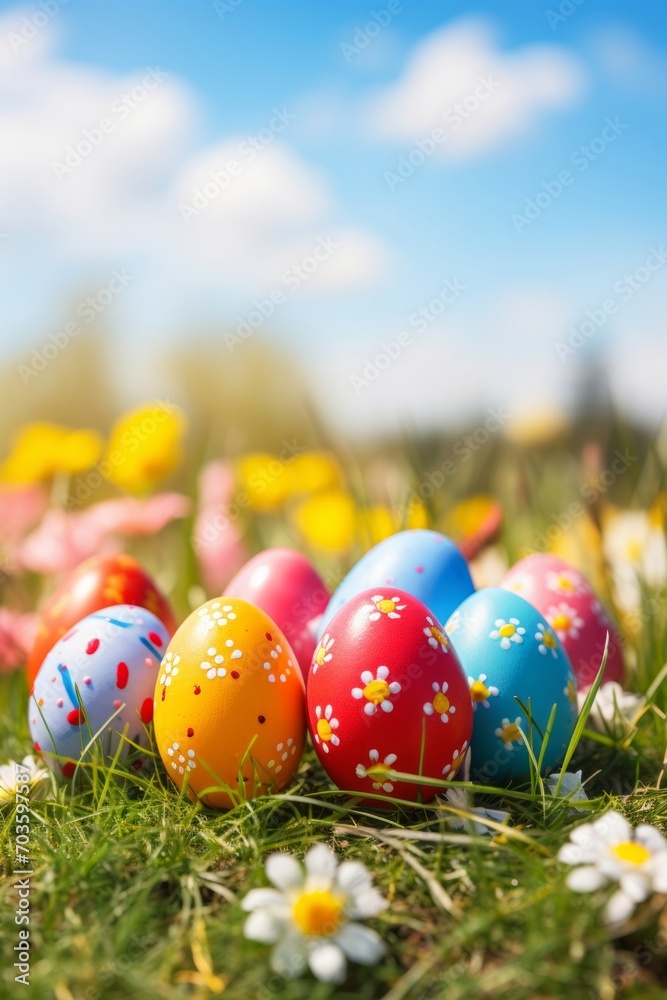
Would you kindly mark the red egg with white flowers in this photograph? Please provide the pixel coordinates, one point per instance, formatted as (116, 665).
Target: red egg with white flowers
(569, 604)
(386, 693)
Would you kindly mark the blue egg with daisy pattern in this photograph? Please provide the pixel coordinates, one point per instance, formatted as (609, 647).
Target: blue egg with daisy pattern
(517, 671)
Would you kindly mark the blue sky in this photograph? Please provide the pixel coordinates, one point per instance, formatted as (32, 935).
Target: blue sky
(356, 113)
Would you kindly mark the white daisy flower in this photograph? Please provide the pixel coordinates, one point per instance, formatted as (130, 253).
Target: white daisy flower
(522, 584)
(480, 691)
(16, 774)
(547, 641)
(436, 637)
(389, 606)
(377, 691)
(571, 787)
(458, 797)
(610, 851)
(508, 632)
(325, 730)
(311, 916)
(565, 621)
(509, 733)
(635, 547)
(169, 668)
(440, 705)
(323, 652)
(564, 582)
(379, 771)
(613, 709)
(457, 759)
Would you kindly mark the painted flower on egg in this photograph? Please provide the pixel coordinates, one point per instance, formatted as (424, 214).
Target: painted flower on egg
(397, 693)
(508, 632)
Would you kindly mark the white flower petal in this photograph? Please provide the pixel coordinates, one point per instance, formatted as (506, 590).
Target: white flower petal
(366, 903)
(657, 868)
(327, 963)
(613, 828)
(353, 876)
(635, 886)
(651, 838)
(619, 908)
(284, 871)
(264, 926)
(261, 897)
(586, 879)
(289, 958)
(321, 862)
(361, 944)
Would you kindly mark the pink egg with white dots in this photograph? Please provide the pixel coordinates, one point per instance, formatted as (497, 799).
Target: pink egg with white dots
(97, 681)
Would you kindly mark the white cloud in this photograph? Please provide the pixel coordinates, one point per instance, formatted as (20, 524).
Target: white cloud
(97, 166)
(448, 69)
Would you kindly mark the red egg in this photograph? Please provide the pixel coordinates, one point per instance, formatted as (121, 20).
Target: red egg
(386, 693)
(284, 584)
(96, 583)
(569, 604)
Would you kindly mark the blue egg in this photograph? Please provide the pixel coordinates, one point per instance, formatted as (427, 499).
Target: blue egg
(424, 563)
(508, 651)
(98, 680)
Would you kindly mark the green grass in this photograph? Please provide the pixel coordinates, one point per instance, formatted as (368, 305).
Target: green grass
(136, 890)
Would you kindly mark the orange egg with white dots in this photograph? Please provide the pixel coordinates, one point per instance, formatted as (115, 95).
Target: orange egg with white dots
(230, 718)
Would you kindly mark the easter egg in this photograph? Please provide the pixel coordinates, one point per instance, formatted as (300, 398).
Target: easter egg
(570, 606)
(509, 652)
(423, 563)
(94, 584)
(386, 693)
(100, 676)
(283, 583)
(229, 705)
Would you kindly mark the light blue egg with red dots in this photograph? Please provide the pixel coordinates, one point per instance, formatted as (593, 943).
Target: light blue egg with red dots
(424, 563)
(509, 651)
(99, 678)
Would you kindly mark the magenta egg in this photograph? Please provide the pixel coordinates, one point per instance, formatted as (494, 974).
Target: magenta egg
(285, 585)
(572, 609)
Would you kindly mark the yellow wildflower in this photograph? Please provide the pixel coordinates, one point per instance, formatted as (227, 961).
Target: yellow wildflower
(145, 446)
(314, 472)
(263, 477)
(375, 524)
(42, 449)
(327, 521)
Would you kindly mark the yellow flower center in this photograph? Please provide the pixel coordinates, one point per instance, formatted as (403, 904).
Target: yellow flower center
(385, 606)
(632, 852)
(479, 691)
(549, 640)
(571, 691)
(379, 771)
(324, 730)
(511, 733)
(507, 630)
(319, 656)
(377, 691)
(441, 703)
(562, 623)
(634, 550)
(318, 913)
(437, 634)
(565, 584)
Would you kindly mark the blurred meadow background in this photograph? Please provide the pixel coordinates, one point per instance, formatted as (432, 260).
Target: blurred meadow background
(308, 274)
